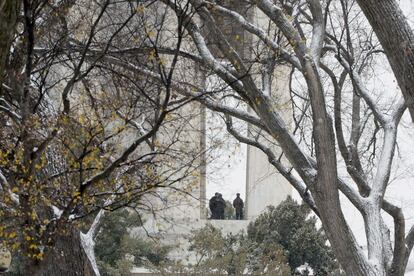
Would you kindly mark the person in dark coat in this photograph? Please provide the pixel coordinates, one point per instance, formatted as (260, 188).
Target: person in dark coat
(238, 205)
(221, 205)
(212, 204)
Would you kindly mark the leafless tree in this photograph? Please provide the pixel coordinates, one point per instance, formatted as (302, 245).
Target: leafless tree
(316, 51)
(397, 39)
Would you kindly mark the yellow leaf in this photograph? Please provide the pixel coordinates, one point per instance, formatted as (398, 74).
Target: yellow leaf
(140, 9)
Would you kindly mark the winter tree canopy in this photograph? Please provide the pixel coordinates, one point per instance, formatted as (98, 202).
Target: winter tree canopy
(80, 76)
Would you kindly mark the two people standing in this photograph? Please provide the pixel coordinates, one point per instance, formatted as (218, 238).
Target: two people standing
(217, 206)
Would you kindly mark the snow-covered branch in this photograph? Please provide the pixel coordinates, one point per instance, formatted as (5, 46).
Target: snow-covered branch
(409, 243)
(88, 242)
(287, 173)
(277, 15)
(398, 111)
(5, 187)
(382, 175)
(256, 30)
(191, 93)
(363, 90)
(318, 34)
(5, 107)
(4, 183)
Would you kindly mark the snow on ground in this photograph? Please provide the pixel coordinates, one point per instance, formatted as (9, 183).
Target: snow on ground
(137, 270)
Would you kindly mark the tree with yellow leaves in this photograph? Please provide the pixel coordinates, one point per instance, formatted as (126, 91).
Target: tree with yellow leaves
(81, 135)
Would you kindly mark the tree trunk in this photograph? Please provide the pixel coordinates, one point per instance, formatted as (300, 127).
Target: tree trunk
(397, 40)
(66, 257)
(9, 10)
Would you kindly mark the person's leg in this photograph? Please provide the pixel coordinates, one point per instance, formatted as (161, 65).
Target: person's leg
(239, 214)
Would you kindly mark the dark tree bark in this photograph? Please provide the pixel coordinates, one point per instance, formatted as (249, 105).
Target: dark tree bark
(397, 39)
(9, 10)
(66, 257)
